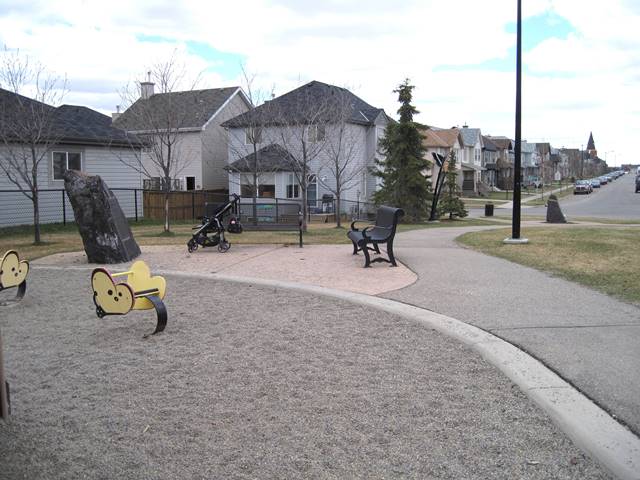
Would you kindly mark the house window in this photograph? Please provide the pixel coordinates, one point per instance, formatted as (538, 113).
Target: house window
(477, 156)
(316, 133)
(252, 135)
(246, 186)
(63, 161)
(293, 189)
(190, 183)
(266, 185)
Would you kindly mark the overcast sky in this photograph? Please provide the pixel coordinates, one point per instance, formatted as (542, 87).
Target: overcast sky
(581, 59)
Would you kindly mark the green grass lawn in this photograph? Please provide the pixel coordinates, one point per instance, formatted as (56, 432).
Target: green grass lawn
(542, 199)
(606, 259)
(59, 238)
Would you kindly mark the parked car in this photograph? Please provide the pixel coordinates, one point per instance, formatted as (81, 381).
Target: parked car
(582, 186)
(603, 180)
(595, 183)
(638, 184)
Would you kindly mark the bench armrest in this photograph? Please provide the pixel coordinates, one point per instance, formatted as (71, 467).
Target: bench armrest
(364, 233)
(353, 226)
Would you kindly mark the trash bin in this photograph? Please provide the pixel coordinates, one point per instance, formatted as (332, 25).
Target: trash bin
(488, 210)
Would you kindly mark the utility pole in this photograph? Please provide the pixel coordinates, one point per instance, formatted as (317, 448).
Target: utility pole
(515, 224)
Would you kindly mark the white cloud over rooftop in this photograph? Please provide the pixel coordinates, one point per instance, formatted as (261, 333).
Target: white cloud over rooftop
(579, 81)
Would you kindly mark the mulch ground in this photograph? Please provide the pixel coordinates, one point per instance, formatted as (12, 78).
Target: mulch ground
(257, 382)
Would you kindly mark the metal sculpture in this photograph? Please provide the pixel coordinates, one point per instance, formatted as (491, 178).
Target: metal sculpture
(439, 159)
(140, 291)
(13, 273)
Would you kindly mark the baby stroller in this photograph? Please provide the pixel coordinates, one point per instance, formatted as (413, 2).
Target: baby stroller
(212, 223)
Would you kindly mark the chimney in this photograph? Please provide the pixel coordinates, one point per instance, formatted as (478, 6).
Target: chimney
(146, 88)
(116, 114)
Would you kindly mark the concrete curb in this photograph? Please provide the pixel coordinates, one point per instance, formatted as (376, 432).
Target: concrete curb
(591, 428)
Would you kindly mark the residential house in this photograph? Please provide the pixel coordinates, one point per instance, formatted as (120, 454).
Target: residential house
(490, 155)
(559, 164)
(543, 150)
(307, 128)
(188, 125)
(471, 158)
(505, 154)
(529, 162)
(77, 138)
(443, 141)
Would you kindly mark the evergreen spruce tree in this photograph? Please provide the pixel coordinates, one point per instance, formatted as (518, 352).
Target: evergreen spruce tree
(450, 202)
(404, 184)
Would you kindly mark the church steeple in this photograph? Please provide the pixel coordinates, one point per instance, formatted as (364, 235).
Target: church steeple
(591, 146)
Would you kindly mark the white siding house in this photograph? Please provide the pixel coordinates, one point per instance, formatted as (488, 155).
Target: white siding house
(310, 123)
(199, 145)
(84, 140)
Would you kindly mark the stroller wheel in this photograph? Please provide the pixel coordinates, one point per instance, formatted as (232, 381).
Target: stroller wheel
(224, 246)
(192, 245)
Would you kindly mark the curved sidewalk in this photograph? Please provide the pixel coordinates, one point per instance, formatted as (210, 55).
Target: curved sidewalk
(591, 340)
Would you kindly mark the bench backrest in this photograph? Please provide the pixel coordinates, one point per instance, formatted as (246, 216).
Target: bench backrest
(386, 222)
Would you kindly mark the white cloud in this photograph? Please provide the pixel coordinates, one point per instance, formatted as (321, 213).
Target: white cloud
(582, 83)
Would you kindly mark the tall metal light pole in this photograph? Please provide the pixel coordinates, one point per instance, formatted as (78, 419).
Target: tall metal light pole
(515, 222)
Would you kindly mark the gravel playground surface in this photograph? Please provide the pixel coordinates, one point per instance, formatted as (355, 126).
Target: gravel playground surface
(257, 382)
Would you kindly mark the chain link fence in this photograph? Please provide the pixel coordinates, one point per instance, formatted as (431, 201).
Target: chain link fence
(54, 206)
(137, 204)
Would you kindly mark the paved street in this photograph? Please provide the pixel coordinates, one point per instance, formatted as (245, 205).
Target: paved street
(614, 200)
(588, 338)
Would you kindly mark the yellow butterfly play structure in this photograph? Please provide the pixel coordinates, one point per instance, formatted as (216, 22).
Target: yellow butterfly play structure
(139, 291)
(13, 273)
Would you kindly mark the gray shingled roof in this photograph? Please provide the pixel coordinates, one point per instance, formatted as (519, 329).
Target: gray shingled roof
(469, 136)
(526, 147)
(503, 143)
(69, 123)
(315, 102)
(489, 145)
(271, 158)
(190, 109)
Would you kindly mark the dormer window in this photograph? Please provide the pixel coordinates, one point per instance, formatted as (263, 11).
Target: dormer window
(315, 133)
(252, 135)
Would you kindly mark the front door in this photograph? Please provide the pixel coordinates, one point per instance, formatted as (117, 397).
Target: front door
(467, 180)
(312, 193)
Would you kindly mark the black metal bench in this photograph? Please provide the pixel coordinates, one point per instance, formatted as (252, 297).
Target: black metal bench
(383, 232)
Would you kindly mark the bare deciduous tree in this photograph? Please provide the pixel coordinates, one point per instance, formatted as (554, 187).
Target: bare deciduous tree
(159, 121)
(246, 143)
(343, 147)
(29, 127)
(303, 134)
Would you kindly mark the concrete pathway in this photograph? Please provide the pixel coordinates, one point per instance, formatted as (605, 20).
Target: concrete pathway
(590, 339)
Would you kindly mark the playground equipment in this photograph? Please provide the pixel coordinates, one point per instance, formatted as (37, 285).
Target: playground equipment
(13, 273)
(140, 291)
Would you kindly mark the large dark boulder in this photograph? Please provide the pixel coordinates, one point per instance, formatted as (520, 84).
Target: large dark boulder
(104, 229)
(554, 213)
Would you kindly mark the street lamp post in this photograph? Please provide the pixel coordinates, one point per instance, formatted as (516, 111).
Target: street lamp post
(515, 218)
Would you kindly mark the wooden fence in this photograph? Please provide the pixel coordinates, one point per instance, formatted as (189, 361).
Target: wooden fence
(182, 205)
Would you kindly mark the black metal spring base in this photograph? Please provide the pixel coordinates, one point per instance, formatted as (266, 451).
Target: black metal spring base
(161, 312)
(22, 288)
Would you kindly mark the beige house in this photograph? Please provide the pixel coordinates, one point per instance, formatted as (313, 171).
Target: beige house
(185, 125)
